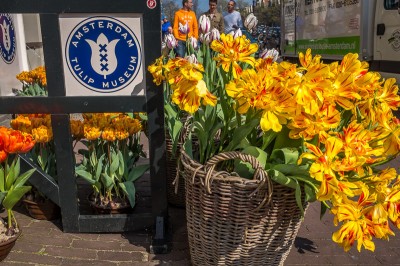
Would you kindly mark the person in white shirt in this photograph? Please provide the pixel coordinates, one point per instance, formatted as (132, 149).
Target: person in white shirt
(232, 19)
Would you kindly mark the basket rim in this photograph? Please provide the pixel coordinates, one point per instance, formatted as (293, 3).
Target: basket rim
(196, 167)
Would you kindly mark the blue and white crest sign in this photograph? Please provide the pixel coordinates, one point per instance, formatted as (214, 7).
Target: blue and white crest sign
(103, 54)
(7, 38)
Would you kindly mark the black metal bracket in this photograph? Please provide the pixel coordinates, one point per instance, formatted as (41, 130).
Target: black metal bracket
(158, 243)
(39, 179)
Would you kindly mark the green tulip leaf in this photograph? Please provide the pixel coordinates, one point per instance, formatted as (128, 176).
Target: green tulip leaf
(107, 181)
(84, 161)
(97, 185)
(2, 196)
(324, 208)
(285, 156)
(79, 167)
(244, 169)
(17, 167)
(240, 133)
(260, 155)
(283, 140)
(143, 116)
(310, 192)
(114, 163)
(13, 196)
(210, 114)
(85, 175)
(20, 181)
(43, 158)
(130, 191)
(170, 112)
(298, 197)
(292, 169)
(188, 147)
(281, 178)
(200, 131)
(99, 167)
(1, 178)
(175, 132)
(268, 138)
(244, 143)
(122, 164)
(92, 158)
(10, 177)
(137, 172)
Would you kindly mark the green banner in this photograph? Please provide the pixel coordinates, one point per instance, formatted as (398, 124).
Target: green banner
(330, 46)
(289, 49)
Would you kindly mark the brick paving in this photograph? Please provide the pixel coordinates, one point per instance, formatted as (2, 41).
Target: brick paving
(44, 243)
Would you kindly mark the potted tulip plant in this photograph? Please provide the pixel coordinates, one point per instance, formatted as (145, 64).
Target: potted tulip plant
(286, 135)
(34, 82)
(12, 183)
(110, 160)
(43, 155)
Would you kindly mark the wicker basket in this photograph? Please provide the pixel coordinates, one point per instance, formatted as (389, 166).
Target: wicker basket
(175, 193)
(236, 221)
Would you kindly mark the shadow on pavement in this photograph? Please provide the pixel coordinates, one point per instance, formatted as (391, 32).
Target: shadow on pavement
(304, 244)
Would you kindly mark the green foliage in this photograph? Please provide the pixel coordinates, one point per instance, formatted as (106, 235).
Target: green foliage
(31, 90)
(43, 154)
(12, 185)
(111, 167)
(282, 168)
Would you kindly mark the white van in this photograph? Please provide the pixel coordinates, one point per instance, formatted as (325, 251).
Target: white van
(333, 28)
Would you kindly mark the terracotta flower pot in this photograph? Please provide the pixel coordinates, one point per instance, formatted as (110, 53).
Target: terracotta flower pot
(42, 210)
(6, 246)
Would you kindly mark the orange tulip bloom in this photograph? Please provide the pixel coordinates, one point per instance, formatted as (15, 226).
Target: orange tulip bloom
(3, 153)
(27, 144)
(3, 156)
(14, 142)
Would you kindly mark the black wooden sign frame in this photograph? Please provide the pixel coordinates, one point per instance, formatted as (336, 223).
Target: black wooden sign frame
(60, 106)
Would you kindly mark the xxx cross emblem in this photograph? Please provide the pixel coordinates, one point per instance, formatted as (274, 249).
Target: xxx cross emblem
(103, 54)
(7, 38)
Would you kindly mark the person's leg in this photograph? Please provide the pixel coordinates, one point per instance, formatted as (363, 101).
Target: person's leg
(180, 49)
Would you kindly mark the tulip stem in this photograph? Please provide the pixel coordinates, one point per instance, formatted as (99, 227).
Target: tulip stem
(109, 154)
(10, 219)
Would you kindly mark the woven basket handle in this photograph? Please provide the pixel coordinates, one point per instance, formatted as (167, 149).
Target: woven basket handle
(182, 138)
(185, 129)
(259, 173)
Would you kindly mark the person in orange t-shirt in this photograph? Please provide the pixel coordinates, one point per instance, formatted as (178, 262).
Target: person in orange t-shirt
(185, 26)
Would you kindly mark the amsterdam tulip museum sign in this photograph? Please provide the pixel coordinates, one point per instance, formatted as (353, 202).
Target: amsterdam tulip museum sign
(102, 55)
